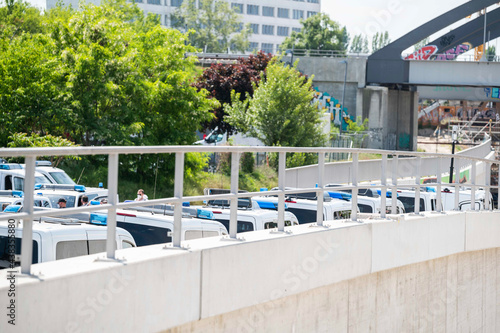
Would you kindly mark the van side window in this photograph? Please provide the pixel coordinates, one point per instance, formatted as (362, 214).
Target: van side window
(243, 226)
(69, 249)
(304, 215)
(193, 234)
(18, 184)
(97, 246)
(8, 183)
(365, 208)
(5, 253)
(146, 235)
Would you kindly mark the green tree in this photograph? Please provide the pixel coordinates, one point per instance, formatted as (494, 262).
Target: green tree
(359, 44)
(280, 112)
(491, 53)
(318, 32)
(36, 140)
(379, 40)
(213, 26)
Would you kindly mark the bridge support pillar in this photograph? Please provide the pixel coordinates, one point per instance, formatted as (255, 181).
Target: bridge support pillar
(392, 117)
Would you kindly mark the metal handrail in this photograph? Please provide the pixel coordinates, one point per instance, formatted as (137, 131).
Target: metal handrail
(113, 153)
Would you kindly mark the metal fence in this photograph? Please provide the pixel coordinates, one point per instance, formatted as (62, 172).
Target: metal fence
(114, 153)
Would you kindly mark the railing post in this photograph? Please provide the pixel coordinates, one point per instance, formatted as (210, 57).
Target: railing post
(178, 193)
(394, 196)
(27, 241)
(354, 209)
(281, 186)
(418, 160)
(383, 180)
(487, 181)
(439, 204)
(320, 193)
(233, 215)
(458, 165)
(473, 186)
(112, 200)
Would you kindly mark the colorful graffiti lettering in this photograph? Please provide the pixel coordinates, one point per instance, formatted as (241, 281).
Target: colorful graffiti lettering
(495, 92)
(453, 53)
(329, 105)
(424, 53)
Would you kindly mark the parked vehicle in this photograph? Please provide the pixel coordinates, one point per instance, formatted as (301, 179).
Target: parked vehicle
(13, 201)
(483, 199)
(149, 229)
(55, 239)
(373, 205)
(428, 201)
(71, 193)
(55, 175)
(12, 178)
(304, 206)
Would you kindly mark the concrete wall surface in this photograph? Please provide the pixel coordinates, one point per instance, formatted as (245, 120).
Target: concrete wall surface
(437, 272)
(465, 73)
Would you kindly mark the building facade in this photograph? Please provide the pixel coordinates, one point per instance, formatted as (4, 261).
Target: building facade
(271, 21)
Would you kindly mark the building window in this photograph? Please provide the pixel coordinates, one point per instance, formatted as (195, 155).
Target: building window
(296, 29)
(174, 20)
(175, 3)
(298, 14)
(154, 2)
(267, 29)
(267, 11)
(237, 7)
(309, 14)
(313, 1)
(267, 48)
(253, 46)
(299, 0)
(283, 12)
(282, 31)
(255, 28)
(240, 27)
(137, 1)
(252, 10)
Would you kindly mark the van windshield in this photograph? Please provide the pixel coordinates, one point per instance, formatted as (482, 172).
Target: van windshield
(62, 178)
(5, 253)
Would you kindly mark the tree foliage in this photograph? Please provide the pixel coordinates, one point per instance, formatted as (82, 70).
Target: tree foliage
(280, 112)
(220, 79)
(379, 40)
(214, 26)
(359, 44)
(318, 32)
(420, 44)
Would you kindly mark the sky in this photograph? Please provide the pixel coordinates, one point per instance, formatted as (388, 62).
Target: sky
(398, 17)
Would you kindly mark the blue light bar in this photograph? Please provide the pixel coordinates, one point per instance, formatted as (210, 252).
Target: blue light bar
(19, 194)
(204, 214)
(430, 189)
(94, 202)
(79, 188)
(12, 209)
(38, 186)
(266, 205)
(388, 194)
(186, 204)
(4, 166)
(98, 219)
(340, 195)
(101, 185)
(263, 189)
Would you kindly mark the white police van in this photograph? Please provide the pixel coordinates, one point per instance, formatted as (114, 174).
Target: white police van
(54, 175)
(71, 193)
(483, 199)
(13, 201)
(55, 239)
(12, 177)
(304, 206)
(428, 200)
(148, 228)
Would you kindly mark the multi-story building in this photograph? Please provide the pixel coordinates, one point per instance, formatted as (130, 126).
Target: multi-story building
(271, 21)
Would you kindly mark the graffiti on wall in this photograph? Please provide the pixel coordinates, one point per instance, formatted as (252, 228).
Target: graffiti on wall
(329, 104)
(430, 52)
(493, 92)
(442, 115)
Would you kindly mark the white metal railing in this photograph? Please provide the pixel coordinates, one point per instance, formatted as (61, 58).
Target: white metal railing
(113, 154)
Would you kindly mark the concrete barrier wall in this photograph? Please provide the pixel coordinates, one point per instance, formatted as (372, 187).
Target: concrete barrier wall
(370, 170)
(376, 271)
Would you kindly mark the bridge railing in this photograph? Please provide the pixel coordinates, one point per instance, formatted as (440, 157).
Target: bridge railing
(388, 182)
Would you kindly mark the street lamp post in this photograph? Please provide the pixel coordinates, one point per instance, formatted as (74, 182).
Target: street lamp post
(343, 97)
(454, 141)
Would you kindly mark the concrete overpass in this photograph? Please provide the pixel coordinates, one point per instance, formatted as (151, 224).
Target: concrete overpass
(419, 272)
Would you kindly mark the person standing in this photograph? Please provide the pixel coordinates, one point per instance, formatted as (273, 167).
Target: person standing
(141, 196)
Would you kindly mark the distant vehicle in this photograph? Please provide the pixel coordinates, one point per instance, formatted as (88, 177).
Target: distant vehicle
(368, 192)
(149, 229)
(428, 201)
(373, 205)
(13, 201)
(12, 177)
(55, 239)
(71, 193)
(55, 175)
(217, 137)
(483, 199)
(304, 206)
